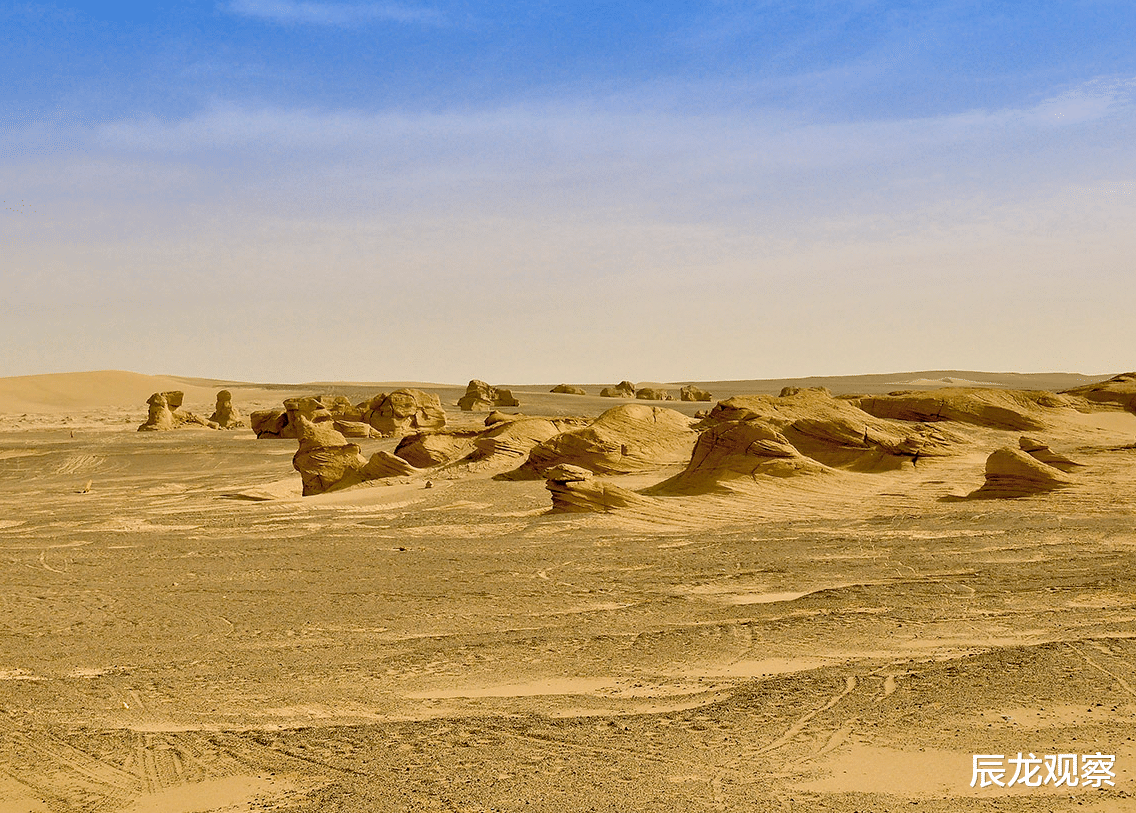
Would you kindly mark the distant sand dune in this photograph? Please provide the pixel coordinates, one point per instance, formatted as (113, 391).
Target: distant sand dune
(59, 392)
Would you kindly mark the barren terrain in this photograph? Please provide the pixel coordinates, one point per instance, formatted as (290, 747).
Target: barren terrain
(181, 631)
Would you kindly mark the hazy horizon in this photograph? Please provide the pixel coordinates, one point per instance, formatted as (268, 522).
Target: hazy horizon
(267, 190)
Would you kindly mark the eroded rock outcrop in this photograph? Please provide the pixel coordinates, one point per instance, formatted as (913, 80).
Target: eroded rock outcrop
(738, 450)
(427, 449)
(624, 439)
(568, 389)
(383, 465)
(653, 394)
(225, 415)
(160, 417)
(1013, 473)
(404, 411)
(624, 389)
(505, 441)
(1018, 410)
(693, 393)
(1119, 390)
(165, 412)
(338, 409)
(574, 491)
(481, 397)
(835, 432)
(325, 459)
(271, 423)
(1039, 450)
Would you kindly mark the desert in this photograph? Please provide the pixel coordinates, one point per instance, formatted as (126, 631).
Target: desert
(806, 595)
(455, 406)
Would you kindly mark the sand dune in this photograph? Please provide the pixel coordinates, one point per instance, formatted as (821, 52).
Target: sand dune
(57, 392)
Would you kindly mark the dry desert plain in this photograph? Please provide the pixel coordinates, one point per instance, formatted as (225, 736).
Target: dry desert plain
(182, 631)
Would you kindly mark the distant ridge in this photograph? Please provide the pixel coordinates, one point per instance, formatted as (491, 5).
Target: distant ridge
(53, 392)
(876, 383)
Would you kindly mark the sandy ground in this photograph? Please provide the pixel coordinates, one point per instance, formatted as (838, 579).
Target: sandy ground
(167, 646)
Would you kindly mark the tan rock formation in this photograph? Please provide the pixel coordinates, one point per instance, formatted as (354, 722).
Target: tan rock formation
(653, 394)
(225, 415)
(165, 412)
(480, 397)
(426, 449)
(789, 392)
(383, 465)
(624, 439)
(1019, 410)
(834, 431)
(497, 416)
(1014, 473)
(624, 389)
(567, 473)
(280, 423)
(160, 417)
(501, 445)
(738, 450)
(693, 393)
(1119, 390)
(505, 444)
(404, 411)
(568, 389)
(271, 423)
(575, 496)
(1039, 450)
(353, 429)
(325, 460)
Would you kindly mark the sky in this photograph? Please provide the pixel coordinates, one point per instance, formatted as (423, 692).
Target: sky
(580, 192)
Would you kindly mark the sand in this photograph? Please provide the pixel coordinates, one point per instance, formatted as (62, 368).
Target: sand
(838, 644)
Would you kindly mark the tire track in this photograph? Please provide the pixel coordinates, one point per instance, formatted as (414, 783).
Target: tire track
(801, 722)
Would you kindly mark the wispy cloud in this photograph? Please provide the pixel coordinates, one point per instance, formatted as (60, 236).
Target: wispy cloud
(1087, 102)
(289, 12)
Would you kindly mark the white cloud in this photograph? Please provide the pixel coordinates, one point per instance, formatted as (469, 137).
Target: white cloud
(946, 241)
(333, 14)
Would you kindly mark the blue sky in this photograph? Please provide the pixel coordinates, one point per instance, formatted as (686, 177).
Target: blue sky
(580, 191)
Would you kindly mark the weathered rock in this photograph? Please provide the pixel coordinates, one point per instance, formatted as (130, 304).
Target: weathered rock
(480, 397)
(738, 450)
(653, 394)
(996, 409)
(567, 389)
(624, 389)
(340, 407)
(1119, 390)
(280, 423)
(383, 465)
(426, 449)
(165, 413)
(1014, 473)
(352, 429)
(271, 423)
(567, 473)
(590, 496)
(160, 417)
(325, 460)
(834, 431)
(508, 441)
(789, 392)
(623, 439)
(404, 411)
(693, 393)
(1040, 450)
(225, 415)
